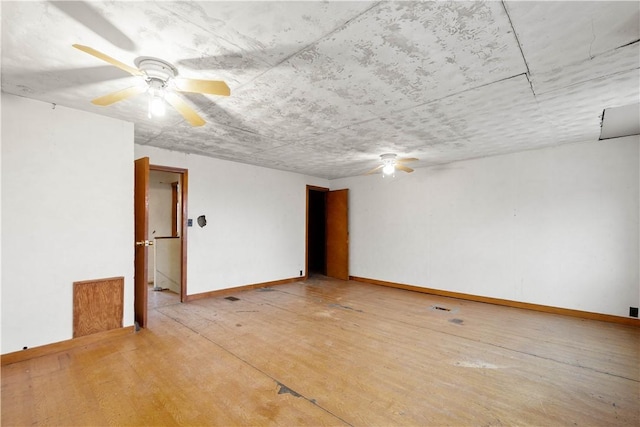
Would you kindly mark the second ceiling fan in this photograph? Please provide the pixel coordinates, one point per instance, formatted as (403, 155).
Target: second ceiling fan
(390, 162)
(162, 84)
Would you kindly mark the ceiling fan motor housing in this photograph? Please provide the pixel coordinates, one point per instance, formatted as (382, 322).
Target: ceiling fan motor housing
(388, 158)
(157, 70)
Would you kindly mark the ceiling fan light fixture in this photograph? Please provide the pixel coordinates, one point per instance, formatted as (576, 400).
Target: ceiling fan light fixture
(157, 107)
(157, 104)
(388, 164)
(388, 169)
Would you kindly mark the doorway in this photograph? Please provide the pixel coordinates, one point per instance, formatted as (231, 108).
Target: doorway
(143, 244)
(327, 233)
(164, 266)
(316, 234)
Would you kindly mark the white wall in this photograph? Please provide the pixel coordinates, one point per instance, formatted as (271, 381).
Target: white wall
(67, 215)
(255, 228)
(556, 226)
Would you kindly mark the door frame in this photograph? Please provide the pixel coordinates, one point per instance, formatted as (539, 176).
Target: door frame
(344, 259)
(184, 190)
(140, 305)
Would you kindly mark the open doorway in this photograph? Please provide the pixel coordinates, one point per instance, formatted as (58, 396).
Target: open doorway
(316, 230)
(327, 237)
(164, 269)
(142, 233)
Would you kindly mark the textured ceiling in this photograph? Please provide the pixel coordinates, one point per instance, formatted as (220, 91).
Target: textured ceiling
(324, 88)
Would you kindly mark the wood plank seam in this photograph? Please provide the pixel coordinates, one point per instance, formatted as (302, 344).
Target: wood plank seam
(280, 385)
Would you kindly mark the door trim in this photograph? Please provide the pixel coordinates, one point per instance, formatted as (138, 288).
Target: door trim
(184, 174)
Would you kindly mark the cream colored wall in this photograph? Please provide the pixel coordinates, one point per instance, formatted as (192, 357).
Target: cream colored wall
(557, 226)
(255, 230)
(67, 215)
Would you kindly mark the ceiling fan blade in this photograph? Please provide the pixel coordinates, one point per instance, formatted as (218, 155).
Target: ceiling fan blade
(119, 95)
(374, 170)
(403, 168)
(110, 60)
(183, 108)
(407, 159)
(212, 87)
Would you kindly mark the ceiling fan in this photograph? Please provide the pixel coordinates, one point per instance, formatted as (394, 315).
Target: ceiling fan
(391, 162)
(162, 84)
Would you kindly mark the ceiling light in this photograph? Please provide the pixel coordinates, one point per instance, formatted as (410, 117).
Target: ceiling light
(388, 169)
(157, 105)
(391, 162)
(388, 164)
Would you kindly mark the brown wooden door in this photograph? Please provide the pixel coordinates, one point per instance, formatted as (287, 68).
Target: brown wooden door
(141, 213)
(337, 241)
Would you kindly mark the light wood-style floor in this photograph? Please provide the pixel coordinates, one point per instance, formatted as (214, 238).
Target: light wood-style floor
(328, 352)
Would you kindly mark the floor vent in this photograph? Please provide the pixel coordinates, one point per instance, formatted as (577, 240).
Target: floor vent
(232, 298)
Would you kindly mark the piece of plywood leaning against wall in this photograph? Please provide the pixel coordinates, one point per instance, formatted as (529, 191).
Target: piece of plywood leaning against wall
(97, 305)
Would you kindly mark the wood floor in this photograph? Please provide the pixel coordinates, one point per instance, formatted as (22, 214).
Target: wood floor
(328, 352)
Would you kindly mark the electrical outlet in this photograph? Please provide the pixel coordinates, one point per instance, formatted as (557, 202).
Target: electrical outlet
(633, 311)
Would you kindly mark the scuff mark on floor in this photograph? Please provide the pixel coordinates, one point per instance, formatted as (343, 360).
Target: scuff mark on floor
(345, 307)
(456, 321)
(444, 309)
(284, 389)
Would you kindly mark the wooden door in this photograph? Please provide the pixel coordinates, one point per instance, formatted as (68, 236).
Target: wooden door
(141, 213)
(337, 229)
